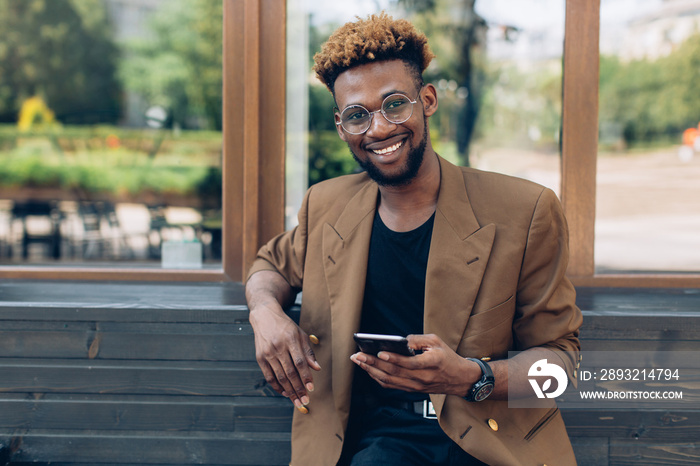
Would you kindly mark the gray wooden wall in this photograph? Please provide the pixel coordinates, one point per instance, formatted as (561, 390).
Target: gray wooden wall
(109, 373)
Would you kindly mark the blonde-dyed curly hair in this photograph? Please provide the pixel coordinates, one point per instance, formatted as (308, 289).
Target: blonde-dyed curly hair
(379, 37)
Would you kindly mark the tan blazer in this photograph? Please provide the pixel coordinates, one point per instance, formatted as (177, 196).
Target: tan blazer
(495, 282)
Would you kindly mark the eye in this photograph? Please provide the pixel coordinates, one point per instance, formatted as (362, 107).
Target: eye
(395, 103)
(354, 114)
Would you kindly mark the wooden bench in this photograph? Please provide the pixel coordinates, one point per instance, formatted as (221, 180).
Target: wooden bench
(133, 373)
(617, 319)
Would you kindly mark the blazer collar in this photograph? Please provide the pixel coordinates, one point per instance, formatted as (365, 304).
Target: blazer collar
(459, 251)
(345, 250)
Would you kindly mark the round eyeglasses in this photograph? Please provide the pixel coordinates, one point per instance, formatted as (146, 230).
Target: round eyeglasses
(356, 119)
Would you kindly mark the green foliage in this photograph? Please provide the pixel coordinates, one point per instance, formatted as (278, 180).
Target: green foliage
(328, 155)
(62, 53)
(648, 100)
(78, 158)
(179, 65)
(518, 102)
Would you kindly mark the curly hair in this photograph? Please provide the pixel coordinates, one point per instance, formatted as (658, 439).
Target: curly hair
(377, 38)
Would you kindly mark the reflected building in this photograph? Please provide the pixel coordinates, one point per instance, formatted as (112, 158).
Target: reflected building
(658, 33)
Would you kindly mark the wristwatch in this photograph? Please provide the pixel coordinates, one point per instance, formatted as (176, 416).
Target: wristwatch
(484, 386)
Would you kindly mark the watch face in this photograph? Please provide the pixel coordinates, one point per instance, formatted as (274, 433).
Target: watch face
(483, 392)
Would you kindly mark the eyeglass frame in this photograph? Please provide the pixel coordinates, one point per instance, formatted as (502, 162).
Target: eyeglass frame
(371, 114)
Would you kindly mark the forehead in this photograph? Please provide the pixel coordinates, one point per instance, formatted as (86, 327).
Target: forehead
(368, 84)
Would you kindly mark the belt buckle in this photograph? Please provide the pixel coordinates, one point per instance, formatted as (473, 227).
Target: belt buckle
(429, 410)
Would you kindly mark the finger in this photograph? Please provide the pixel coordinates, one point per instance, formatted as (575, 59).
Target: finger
(375, 369)
(301, 376)
(406, 362)
(282, 376)
(270, 377)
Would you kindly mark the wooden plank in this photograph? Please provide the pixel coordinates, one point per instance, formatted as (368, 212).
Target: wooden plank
(654, 424)
(154, 274)
(250, 106)
(148, 447)
(254, 90)
(145, 295)
(142, 377)
(591, 451)
(147, 413)
(68, 313)
(639, 280)
(644, 328)
(272, 101)
(206, 342)
(580, 130)
(638, 345)
(36, 344)
(639, 301)
(234, 87)
(640, 452)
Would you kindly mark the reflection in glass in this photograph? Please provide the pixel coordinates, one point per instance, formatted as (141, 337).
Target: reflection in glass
(497, 72)
(648, 194)
(110, 120)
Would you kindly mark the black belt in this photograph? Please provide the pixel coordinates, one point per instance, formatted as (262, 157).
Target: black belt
(424, 408)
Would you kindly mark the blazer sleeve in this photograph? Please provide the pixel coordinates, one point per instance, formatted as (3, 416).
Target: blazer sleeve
(286, 252)
(546, 311)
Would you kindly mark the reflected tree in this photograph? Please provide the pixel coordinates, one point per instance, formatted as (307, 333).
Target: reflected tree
(179, 65)
(457, 37)
(62, 51)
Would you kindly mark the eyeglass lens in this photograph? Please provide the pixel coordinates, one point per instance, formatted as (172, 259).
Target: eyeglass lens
(396, 108)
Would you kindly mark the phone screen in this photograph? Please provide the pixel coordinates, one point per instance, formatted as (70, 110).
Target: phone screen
(372, 343)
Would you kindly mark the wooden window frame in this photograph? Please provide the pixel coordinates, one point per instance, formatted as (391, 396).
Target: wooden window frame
(580, 153)
(254, 74)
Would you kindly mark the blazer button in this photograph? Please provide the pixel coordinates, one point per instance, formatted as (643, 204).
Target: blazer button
(493, 425)
(314, 339)
(486, 358)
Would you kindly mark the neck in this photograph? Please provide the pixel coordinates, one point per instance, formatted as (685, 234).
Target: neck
(404, 208)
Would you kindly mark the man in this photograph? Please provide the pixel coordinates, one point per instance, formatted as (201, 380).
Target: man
(469, 264)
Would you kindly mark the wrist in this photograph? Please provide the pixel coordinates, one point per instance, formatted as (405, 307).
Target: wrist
(484, 385)
(473, 375)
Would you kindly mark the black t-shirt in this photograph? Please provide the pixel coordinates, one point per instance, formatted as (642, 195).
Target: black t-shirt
(394, 291)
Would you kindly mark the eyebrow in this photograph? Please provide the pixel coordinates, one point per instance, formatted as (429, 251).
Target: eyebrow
(384, 96)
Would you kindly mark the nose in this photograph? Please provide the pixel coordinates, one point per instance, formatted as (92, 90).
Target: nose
(379, 125)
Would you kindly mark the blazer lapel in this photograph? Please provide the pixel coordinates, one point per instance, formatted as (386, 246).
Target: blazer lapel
(459, 251)
(345, 251)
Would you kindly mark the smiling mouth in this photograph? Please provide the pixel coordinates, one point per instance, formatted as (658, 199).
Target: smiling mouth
(388, 150)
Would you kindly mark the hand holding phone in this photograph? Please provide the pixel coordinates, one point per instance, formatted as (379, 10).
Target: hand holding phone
(372, 343)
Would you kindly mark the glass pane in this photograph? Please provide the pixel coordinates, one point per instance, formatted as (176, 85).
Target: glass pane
(110, 132)
(498, 74)
(518, 73)
(648, 194)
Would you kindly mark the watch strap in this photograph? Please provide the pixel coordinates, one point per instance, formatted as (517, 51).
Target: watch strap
(486, 378)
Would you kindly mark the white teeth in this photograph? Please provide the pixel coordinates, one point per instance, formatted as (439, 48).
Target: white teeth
(386, 150)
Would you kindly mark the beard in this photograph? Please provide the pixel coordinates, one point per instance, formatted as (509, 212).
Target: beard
(409, 170)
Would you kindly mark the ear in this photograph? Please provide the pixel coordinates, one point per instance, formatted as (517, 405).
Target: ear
(429, 98)
(338, 127)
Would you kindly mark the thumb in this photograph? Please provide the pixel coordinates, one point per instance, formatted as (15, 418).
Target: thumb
(422, 342)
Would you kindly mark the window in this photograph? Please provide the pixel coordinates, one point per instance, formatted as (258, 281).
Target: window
(648, 209)
(111, 134)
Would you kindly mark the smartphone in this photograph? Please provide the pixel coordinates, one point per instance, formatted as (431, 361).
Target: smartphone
(372, 343)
